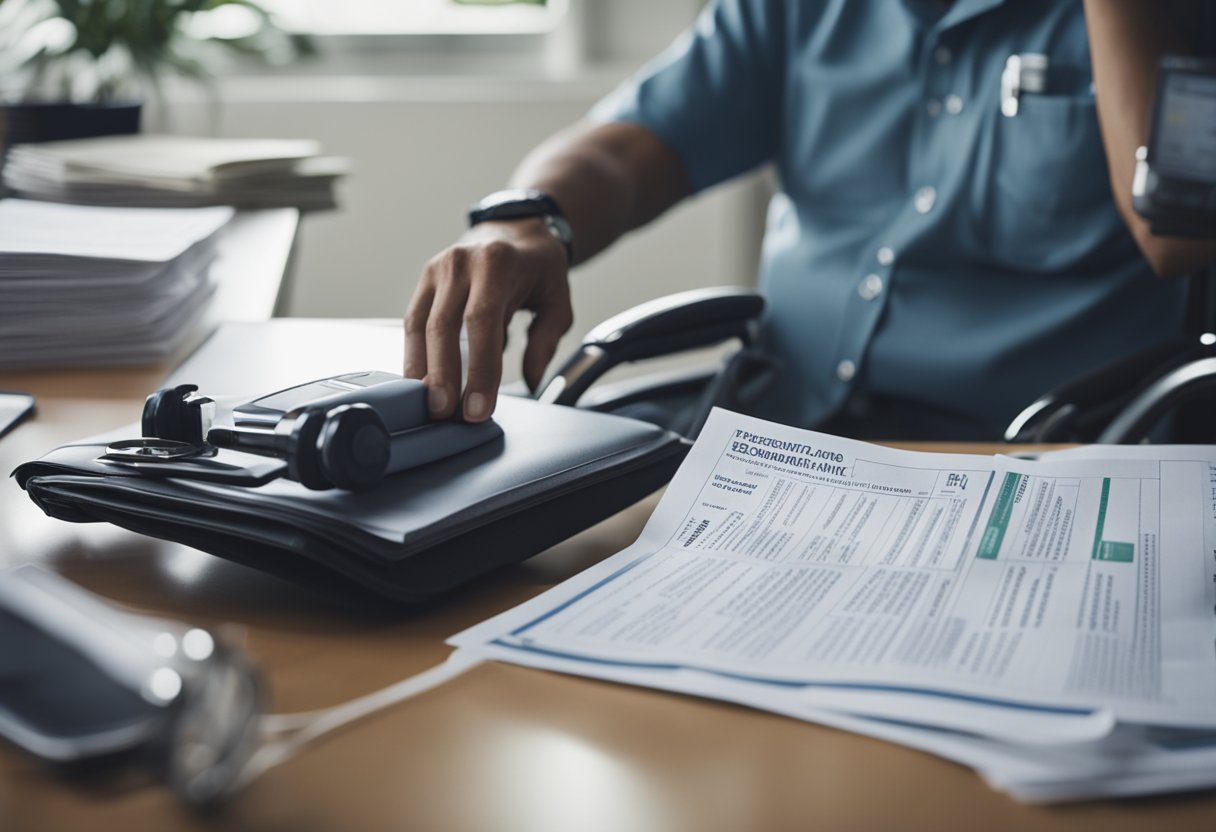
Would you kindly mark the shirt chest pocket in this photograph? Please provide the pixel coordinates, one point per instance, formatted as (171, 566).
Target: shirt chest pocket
(1051, 185)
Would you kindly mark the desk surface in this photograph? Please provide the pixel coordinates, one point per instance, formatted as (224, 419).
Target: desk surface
(502, 748)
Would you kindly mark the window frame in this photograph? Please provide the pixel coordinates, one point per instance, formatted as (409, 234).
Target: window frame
(457, 21)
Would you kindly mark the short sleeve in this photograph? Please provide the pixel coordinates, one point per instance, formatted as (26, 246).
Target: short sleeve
(715, 95)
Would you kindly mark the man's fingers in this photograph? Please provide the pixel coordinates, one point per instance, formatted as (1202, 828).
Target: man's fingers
(415, 327)
(443, 334)
(485, 323)
(479, 283)
(548, 327)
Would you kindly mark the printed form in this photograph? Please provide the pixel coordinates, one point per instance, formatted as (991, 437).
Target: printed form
(856, 576)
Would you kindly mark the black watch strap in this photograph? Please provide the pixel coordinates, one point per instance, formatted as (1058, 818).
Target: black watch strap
(519, 203)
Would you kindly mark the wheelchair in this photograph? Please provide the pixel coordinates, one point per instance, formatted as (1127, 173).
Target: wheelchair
(1121, 403)
(1164, 393)
(681, 400)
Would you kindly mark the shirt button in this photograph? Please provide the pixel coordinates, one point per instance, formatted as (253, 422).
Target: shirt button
(886, 256)
(871, 287)
(954, 104)
(845, 370)
(924, 199)
(933, 107)
(942, 55)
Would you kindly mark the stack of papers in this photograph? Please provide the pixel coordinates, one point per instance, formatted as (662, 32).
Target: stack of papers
(1050, 622)
(89, 286)
(176, 171)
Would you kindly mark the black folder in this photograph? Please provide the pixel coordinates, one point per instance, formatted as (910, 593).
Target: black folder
(555, 472)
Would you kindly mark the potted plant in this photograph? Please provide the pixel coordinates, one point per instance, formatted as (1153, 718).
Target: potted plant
(76, 68)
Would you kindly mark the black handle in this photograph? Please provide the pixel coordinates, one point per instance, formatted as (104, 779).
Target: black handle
(1139, 417)
(683, 321)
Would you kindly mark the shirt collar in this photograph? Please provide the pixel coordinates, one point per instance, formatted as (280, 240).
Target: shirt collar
(963, 10)
(942, 17)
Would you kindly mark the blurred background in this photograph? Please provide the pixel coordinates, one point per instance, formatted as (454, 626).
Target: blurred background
(435, 101)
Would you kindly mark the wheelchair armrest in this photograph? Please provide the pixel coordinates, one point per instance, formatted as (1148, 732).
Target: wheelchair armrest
(1175, 387)
(683, 321)
(1076, 411)
(608, 398)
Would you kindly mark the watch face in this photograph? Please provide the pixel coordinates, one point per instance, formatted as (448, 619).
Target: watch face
(560, 229)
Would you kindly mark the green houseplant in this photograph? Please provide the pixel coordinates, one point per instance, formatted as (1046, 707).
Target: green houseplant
(72, 68)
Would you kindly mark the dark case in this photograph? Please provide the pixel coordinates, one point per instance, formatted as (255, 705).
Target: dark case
(556, 471)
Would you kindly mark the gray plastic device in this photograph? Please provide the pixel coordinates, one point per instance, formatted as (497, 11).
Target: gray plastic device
(345, 431)
(400, 402)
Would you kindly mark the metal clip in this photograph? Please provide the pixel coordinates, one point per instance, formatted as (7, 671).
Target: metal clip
(152, 449)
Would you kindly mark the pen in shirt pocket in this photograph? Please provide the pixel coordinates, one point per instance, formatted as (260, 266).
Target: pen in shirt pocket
(1024, 73)
(1031, 73)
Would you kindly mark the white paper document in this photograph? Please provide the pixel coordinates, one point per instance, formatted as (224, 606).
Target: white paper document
(1041, 603)
(1128, 760)
(32, 233)
(90, 286)
(175, 171)
(166, 159)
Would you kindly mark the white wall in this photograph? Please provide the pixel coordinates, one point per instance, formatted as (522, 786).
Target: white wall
(426, 144)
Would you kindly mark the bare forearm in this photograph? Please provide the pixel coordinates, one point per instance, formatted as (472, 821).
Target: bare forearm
(1127, 39)
(608, 179)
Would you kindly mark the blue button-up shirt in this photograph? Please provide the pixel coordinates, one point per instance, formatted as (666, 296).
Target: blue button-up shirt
(922, 245)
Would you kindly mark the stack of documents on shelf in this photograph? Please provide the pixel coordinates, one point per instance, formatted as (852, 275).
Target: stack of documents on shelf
(1050, 622)
(90, 286)
(176, 171)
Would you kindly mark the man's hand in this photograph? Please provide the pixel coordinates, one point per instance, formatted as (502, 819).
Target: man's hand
(608, 178)
(497, 268)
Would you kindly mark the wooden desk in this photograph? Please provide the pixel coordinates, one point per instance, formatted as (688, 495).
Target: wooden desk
(502, 748)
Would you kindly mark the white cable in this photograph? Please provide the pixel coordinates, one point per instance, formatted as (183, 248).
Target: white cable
(285, 735)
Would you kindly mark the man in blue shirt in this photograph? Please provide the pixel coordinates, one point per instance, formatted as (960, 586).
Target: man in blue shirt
(945, 244)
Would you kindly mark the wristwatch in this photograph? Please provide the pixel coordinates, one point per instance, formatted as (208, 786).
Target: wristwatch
(518, 203)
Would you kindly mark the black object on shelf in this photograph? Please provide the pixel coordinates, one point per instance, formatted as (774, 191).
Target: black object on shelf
(49, 121)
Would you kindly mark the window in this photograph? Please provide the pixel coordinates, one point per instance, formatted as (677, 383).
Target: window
(418, 17)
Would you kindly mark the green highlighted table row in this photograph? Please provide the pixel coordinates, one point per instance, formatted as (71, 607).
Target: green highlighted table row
(1002, 511)
(998, 522)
